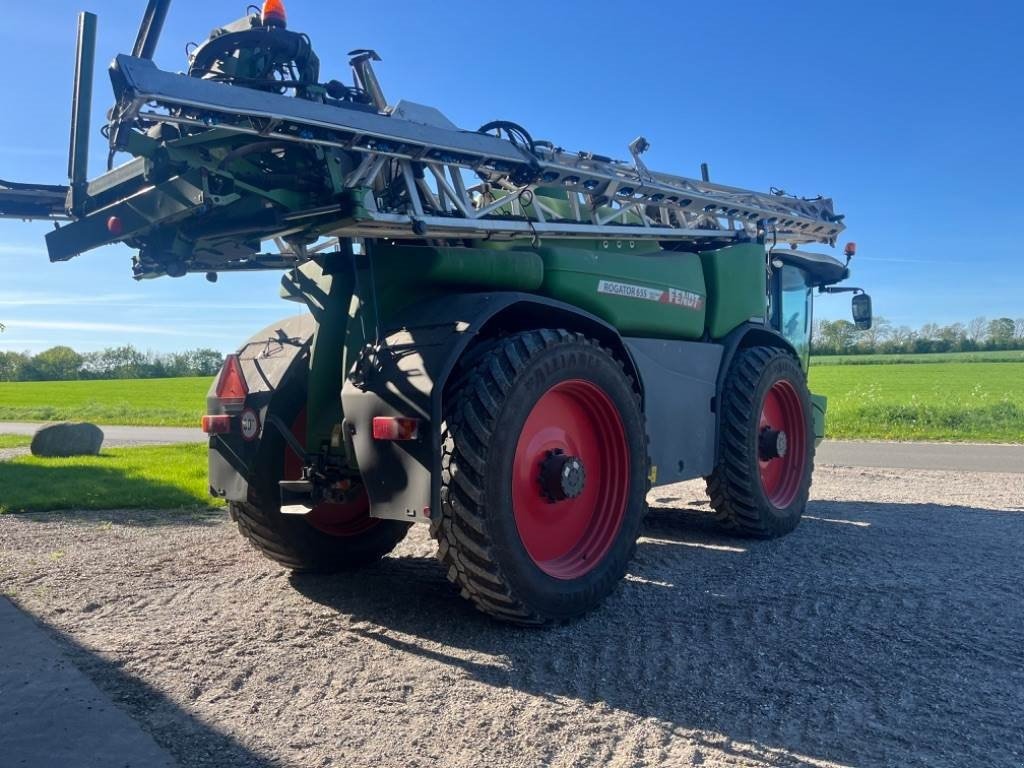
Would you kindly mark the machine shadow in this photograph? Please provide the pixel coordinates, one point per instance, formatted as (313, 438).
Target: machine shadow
(714, 634)
(187, 739)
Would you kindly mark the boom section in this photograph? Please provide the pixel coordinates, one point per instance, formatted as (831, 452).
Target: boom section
(518, 191)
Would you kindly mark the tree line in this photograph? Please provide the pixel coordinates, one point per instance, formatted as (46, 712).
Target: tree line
(65, 364)
(841, 337)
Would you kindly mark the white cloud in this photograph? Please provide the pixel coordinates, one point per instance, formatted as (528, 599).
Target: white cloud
(122, 328)
(122, 301)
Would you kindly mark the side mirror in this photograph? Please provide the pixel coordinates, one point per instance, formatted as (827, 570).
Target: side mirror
(862, 311)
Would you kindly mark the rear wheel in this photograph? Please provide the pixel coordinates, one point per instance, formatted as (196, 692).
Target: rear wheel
(544, 477)
(332, 537)
(759, 486)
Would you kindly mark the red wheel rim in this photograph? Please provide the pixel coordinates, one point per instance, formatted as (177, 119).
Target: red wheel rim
(569, 537)
(783, 411)
(349, 519)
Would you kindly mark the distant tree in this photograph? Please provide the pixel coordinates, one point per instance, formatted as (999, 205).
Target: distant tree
(1000, 333)
(976, 329)
(115, 363)
(54, 364)
(929, 331)
(951, 338)
(205, 362)
(836, 336)
(12, 365)
(871, 339)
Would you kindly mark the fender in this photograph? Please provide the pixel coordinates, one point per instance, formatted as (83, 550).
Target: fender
(741, 337)
(406, 375)
(269, 359)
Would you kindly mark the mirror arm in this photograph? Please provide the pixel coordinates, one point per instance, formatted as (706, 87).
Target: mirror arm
(839, 289)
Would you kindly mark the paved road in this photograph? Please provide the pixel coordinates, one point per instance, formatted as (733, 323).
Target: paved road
(963, 457)
(121, 435)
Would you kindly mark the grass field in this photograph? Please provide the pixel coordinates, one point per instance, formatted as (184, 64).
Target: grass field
(1008, 356)
(954, 397)
(151, 402)
(148, 477)
(981, 402)
(14, 441)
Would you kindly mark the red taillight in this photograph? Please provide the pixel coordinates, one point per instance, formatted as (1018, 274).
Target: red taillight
(115, 226)
(395, 428)
(274, 14)
(216, 425)
(231, 387)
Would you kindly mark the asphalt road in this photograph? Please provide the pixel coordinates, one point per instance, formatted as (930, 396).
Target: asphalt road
(965, 457)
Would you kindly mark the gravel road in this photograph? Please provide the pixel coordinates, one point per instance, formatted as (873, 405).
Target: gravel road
(887, 631)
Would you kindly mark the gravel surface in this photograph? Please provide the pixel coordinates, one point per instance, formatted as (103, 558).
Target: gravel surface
(888, 630)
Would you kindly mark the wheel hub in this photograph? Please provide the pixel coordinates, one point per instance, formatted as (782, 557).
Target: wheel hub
(561, 476)
(772, 444)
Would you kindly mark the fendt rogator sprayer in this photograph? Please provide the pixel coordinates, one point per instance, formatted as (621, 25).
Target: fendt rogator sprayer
(505, 340)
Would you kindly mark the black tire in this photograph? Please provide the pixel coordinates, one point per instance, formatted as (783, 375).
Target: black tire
(478, 537)
(739, 496)
(290, 539)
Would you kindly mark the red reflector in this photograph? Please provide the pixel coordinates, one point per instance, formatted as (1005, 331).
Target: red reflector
(274, 14)
(216, 425)
(231, 387)
(394, 428)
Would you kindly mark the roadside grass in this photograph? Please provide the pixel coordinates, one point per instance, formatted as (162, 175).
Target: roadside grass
(1006, 356)
(980, 402)
(972, 396)
(14, 441)
(143, 402)
(146, 477)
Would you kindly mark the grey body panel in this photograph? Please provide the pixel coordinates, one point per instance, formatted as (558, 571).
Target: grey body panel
(679, 382)
(267, 359)
(403, 479)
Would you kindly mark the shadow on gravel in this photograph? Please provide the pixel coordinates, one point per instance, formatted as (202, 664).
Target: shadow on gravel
(187, 739)
(841, 642)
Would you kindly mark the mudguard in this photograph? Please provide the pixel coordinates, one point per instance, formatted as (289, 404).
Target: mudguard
(268, 360)
(405, 375)
(746, 335)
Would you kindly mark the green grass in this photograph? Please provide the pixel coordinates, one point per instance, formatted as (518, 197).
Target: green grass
(980, 402)
(149, 477)
(870, 396)
(149, 402)
(14, 441)
(1008, 356)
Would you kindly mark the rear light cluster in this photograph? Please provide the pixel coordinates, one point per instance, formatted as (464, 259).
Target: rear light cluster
(216, 425)
(231, 391)
(231, 387)
(395, 428)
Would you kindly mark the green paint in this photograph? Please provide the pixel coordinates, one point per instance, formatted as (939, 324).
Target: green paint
(737, 286)
(657, 294)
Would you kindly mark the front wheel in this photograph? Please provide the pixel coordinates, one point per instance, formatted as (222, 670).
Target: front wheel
(762, 478)
(544, 477)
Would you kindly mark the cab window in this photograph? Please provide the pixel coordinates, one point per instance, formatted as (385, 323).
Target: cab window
(793, 315)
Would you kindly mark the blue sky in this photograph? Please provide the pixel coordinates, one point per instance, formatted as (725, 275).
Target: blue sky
(909, 114)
